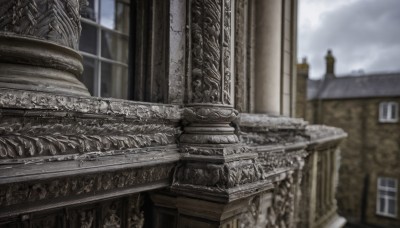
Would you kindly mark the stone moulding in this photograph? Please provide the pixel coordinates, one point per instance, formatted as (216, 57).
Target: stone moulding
(79, 189)
(26, 138)
(209, 124)
(36, 65)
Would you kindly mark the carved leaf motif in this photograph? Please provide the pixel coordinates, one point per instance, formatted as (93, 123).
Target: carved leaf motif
(206, 32)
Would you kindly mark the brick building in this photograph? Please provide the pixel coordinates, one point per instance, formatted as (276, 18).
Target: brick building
(367, 108)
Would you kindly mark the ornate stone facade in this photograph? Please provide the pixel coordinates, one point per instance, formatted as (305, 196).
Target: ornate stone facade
(71, 160)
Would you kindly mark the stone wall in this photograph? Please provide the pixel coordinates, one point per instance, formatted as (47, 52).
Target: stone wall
(371, 150)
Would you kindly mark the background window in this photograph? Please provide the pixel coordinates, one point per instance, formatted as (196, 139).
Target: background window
(387, 197)
(104, 44)
(388, 112)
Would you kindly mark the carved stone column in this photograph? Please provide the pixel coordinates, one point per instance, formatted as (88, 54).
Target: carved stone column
(38, 43)
(215, 166)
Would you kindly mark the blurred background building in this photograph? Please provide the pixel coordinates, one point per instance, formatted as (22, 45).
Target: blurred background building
(366, 106)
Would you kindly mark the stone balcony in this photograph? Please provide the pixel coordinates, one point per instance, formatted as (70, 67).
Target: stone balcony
(60, 150)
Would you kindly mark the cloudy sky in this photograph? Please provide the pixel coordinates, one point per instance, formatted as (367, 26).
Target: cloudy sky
(363, 35)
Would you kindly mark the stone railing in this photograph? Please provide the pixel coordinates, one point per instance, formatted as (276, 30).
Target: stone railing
(322, 170)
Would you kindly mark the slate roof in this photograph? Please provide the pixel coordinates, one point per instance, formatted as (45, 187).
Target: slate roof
(345, 87)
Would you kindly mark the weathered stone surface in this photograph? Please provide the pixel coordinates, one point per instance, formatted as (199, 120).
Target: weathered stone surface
(211, 52)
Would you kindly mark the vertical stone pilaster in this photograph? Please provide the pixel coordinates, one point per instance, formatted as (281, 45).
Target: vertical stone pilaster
(210, 52)
(215, 167)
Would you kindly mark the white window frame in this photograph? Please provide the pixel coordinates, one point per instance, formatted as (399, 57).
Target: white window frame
(388, 118)
(386, 198)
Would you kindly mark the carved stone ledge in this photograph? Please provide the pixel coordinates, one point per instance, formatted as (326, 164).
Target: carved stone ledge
(259, 129)
(322, 136)
(71, 190)
(40, 168)
(36, 133)
(266, 122)
(136, 111)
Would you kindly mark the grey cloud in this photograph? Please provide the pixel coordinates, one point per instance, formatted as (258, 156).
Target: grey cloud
(364, 34)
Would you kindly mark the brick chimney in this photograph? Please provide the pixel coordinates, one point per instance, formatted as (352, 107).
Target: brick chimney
(330, 64)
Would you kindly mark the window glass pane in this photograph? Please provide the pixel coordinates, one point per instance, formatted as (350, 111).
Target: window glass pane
(391, 183)
(393, 112)
(88, 76)
(107, 13)
(392, 205)
(114, 14)
(382, 182)
(114, 81)
(88, 41)
(114, 46)
(381, 205)
(384, 111)
(91, 11)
